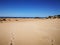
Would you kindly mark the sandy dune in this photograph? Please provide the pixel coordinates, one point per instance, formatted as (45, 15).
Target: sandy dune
(30, 32)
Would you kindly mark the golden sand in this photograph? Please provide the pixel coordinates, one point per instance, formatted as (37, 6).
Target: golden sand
(30, 32)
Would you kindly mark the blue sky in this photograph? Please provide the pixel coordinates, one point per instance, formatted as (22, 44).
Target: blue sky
(29, 8)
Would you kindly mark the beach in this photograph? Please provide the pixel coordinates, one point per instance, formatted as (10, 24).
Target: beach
(30, 31)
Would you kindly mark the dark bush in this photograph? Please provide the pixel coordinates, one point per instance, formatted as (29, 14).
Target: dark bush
(16, 20)
(37, 17)
(4, 19)
(49, 16)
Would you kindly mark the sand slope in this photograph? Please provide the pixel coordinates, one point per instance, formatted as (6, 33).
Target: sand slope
(30, 32)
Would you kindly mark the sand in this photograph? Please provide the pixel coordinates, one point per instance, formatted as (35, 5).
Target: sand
(30, 32)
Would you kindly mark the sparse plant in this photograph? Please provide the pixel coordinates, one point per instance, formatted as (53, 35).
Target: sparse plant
(49, 16)
(4, 19)
(37, 17)
(54, 17)
(16, 20)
